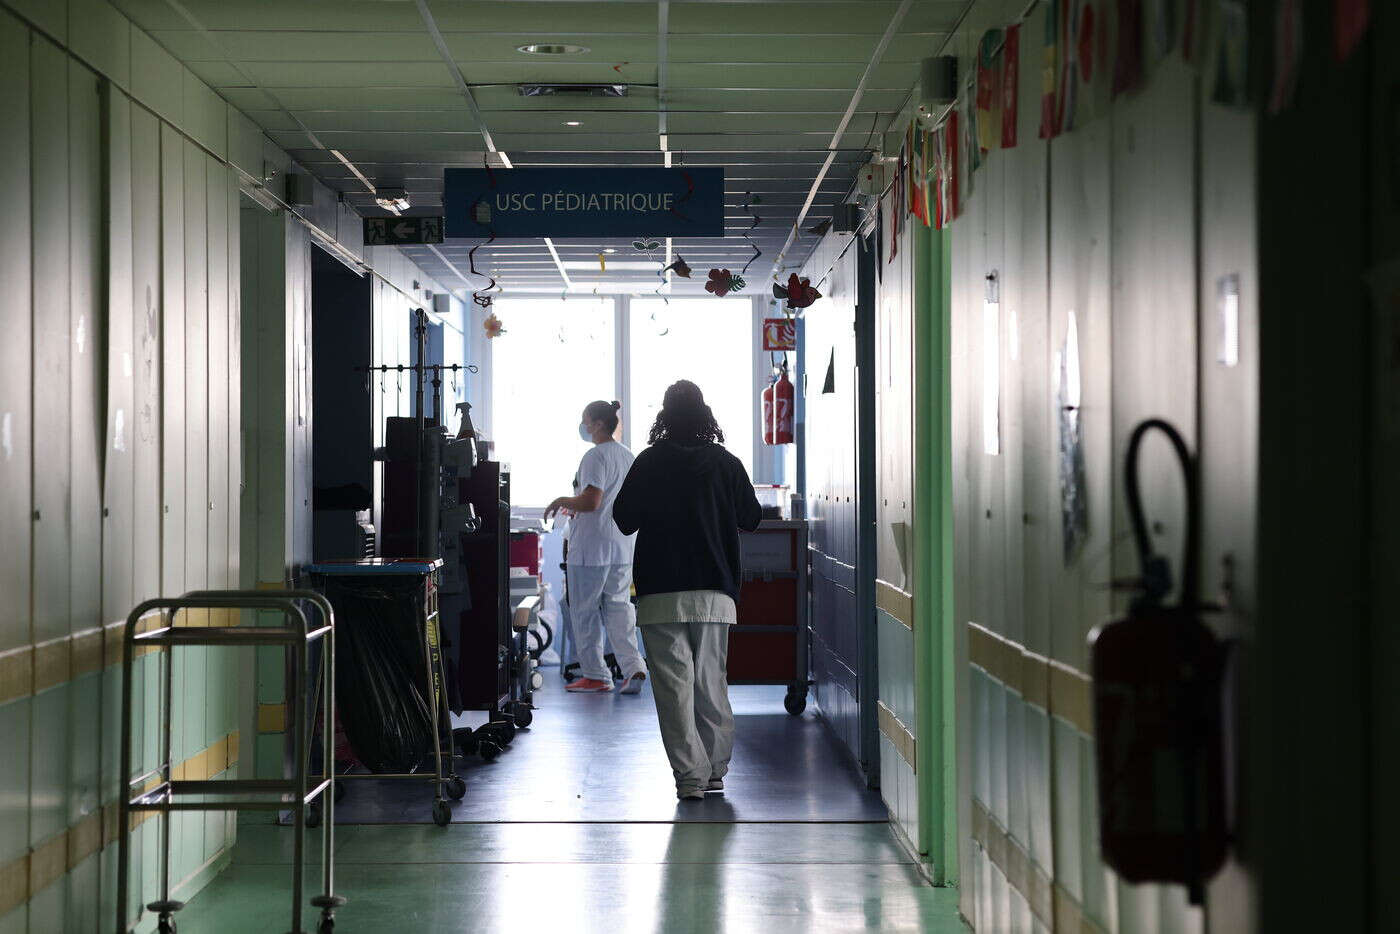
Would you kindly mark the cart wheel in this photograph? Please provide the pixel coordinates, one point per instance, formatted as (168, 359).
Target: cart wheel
(795, 702)
(505, 728)
(455, 787)
(536, 679)
(488, 749)
(442, 814)
(313, 814)
(521, 713)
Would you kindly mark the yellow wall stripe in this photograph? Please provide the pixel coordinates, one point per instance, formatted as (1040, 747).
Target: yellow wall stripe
(1053, 686)
(899, 734)
(272, 718)
(895, 602)
(1052, 905)
(39, 867)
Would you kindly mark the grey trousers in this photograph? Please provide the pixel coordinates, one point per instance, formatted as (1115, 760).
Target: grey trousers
(689, 682)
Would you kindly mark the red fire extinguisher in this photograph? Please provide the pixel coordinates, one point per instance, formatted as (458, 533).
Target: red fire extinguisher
(1159, 713)
(767, 396)
(783, 407)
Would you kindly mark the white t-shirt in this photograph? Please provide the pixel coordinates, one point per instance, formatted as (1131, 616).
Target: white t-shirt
(594, 539)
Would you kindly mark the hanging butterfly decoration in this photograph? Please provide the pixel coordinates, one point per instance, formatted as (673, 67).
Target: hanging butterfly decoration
(646, 246)
(799, 293)
(493, 326)
(722, 282)
(748, 209)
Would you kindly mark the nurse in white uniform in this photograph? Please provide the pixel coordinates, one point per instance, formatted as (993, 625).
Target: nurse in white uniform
(600, 559)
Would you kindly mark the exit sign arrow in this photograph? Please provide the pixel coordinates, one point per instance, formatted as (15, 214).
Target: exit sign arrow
(402, 231)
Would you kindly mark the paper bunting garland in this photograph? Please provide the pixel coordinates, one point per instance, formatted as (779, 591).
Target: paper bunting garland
(1010, 84)
(1349, 21)
(1127, 68)
(722, 282)
(1049, 73)
(988, 90)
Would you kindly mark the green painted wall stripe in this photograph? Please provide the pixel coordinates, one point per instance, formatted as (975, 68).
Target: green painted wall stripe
(933, 517)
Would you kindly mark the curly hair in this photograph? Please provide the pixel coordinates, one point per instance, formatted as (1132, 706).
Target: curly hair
(685, 417)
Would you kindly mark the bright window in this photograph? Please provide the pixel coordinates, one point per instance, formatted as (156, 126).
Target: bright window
(553, 359)
(708, 341)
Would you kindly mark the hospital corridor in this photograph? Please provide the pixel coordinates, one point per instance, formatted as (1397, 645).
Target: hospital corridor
(699, 466)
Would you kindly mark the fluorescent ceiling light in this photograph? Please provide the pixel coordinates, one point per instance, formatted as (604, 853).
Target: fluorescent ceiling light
(573, 123)
(551, 49)
(633, 265)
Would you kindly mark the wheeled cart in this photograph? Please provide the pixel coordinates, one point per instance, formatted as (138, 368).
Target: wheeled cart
(489, 654)
(364, 591)
(771, 644)
(160, 792)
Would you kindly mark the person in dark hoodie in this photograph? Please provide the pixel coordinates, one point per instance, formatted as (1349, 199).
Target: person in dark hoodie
(686, 497)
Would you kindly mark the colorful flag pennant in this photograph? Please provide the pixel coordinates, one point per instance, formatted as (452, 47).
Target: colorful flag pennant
(1127, 67)
(988, 90)
(1010, 85)
(1048, 72)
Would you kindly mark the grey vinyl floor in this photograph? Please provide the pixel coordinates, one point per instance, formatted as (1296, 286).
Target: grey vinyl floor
(599, 758)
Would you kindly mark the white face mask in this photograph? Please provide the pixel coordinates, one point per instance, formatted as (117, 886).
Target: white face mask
(583, 431)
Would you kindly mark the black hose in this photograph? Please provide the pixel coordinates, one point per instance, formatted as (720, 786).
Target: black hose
(1156, 574)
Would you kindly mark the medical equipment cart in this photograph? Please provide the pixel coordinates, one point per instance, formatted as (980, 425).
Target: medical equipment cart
(770, 644)
(347, 584)
(158, 790)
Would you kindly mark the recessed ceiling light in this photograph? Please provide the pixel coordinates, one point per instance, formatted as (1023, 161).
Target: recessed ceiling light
(609, 250)
(573, 123)
(546, 49)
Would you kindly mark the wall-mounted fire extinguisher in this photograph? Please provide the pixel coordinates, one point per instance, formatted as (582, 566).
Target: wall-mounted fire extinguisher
(1159, 712)
(767, 396)
(784, 407)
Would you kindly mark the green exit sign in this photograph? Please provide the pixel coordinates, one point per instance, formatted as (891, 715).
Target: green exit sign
(402, 231)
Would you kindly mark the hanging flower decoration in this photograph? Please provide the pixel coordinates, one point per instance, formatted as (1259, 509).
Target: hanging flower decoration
(493, 326)
(679, 267)
(799, 293)
(722, 282)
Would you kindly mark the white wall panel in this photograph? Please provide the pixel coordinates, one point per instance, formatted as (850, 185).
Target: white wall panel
(52, 376)
(146, 320)
(118, 486)
(216, 252)
(85, 288)
(16, 368)
(196, 369)
(101, 36)
(172, 206)
(156, 78)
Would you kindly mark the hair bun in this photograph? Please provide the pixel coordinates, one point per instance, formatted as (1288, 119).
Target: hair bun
(616, 406)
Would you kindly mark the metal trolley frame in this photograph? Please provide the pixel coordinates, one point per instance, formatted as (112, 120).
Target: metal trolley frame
(160, 792)
(444, 778)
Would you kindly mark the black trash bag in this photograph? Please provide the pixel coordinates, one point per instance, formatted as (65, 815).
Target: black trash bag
(381, 688)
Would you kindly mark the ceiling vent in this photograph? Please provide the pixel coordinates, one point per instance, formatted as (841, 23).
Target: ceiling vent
(572, 90)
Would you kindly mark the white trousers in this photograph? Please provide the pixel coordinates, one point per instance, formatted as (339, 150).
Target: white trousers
(599, 601)
(690, 682)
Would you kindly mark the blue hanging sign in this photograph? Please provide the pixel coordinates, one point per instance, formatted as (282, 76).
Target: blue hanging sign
(584, 202)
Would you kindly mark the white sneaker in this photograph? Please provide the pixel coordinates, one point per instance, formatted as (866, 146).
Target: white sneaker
(633, 685)
(715, 784)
